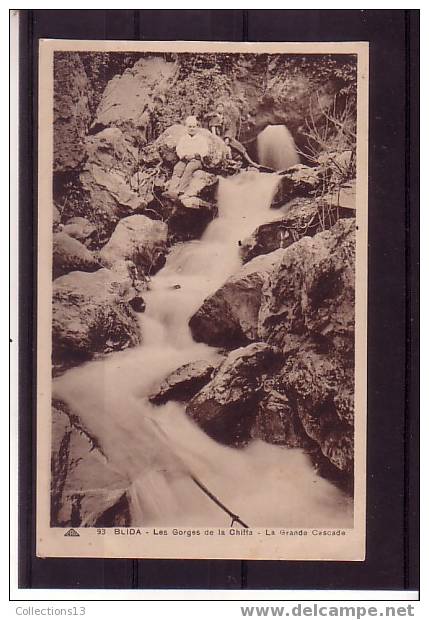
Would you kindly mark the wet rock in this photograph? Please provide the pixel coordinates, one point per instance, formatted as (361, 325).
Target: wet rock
(227, 406)
(202, 185)
(79, 228)
(298, 181)
(229, 317)
(320, 387)
(85, 490)
(138, 304)
(311, 292)
(190, 214)
(184, 383)
(307, 310)
(90, 315)
(71, 111)
(140, 240)
(304, 218)
(277, 422)
(71, 255)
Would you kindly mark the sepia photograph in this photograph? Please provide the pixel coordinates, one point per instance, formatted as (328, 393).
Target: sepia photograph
(202, 300)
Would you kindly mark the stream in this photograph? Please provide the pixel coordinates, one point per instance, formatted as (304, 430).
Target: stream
(159, 449)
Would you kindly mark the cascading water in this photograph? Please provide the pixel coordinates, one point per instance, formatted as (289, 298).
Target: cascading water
(276, 148)
(158, 449)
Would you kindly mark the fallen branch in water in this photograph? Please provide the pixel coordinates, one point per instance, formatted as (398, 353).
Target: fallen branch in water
(204, 489)
(235, 518)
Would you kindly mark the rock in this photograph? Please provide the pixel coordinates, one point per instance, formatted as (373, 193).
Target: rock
(109, 198)
(184, 383)
(102, 209)
(71, 111)
(202, 185)
(85, 490)
(303, 218)
(110, 150)
(229, 317)
(273, 94)
(139, 239)
(166, 144)
(311, 291)
(307, 310)
(115, 184)
(194, 210)
(90, 315)
(79, 228)
(108, 181)
(138, 304)
(320, 387)
(71, 255)
(226, 407)
(277, 422)
(297, 181)
(126, 97)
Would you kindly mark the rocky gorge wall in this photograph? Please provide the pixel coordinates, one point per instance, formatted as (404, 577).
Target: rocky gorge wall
(284, 321)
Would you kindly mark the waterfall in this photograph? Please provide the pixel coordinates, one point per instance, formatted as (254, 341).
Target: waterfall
(276, 148)
(158, 449)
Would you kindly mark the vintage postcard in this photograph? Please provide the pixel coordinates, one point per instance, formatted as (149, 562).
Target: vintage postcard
(202, 276)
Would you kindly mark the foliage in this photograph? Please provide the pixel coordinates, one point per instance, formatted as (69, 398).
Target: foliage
(202, 80)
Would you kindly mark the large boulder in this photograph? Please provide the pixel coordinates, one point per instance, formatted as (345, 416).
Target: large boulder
(321, 389)
(166, 144)
(71, 255)
(109, 149)
(126, 97)
(114, 183)
(71, 111)
(227, 406)
(307, 310)
(202, 186)
(138, 239)
(85, 489)
(229, 317)
(110, 181)
(311, 292)
(79, 228)
(298, 181)
(189, 215)
(109, 198)
(304, 218)
(91, 314)
(182, 384)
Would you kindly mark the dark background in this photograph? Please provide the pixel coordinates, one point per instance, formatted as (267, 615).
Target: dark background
(392, 500)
